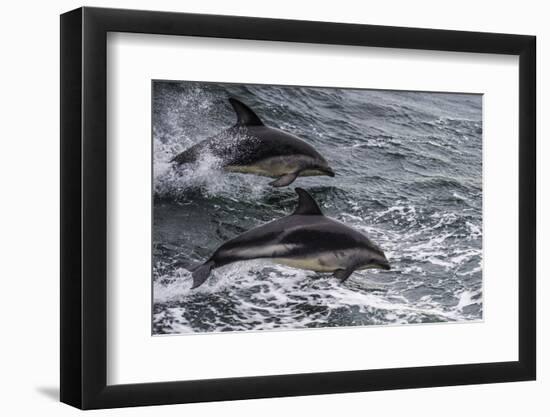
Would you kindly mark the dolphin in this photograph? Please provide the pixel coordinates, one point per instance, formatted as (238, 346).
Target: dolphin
(306, 239)
(251, 147)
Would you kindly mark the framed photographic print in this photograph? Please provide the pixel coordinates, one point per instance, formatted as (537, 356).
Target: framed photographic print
(257, 208)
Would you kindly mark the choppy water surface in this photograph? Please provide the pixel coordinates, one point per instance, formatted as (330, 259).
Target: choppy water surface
(408, 175)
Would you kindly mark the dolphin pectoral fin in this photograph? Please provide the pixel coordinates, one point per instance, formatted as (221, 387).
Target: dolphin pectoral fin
(343, 274)
(284, 180)
(201, 274)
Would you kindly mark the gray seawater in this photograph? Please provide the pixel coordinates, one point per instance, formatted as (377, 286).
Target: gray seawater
(409, 175)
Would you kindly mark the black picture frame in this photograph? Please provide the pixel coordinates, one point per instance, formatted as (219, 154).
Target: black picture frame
(84, 207)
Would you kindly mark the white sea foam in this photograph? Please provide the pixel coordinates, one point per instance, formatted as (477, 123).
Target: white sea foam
(281, 291)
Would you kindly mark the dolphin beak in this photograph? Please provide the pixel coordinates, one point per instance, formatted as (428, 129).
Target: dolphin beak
(330, 172)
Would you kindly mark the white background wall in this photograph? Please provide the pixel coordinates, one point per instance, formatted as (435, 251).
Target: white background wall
(29, 226)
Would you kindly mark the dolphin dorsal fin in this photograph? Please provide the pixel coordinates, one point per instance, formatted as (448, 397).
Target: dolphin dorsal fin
(306, 204)
(245, 116)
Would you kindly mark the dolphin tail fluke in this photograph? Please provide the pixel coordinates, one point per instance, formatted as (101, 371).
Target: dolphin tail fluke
(201, 273)
(284, 180)
(186, 157)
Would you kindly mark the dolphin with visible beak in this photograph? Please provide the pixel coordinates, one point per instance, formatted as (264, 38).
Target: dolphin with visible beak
(251, 147)
(306, 239)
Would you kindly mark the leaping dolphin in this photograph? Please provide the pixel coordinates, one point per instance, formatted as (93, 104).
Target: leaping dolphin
(306, 239)
(253, 148)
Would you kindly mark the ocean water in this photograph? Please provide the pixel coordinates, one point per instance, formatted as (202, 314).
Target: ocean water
(409, 175)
